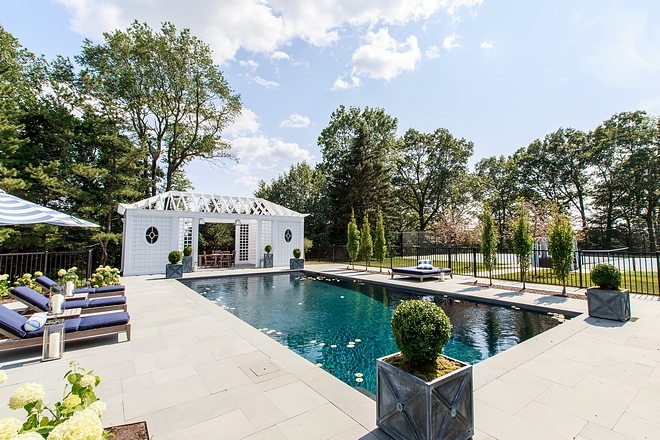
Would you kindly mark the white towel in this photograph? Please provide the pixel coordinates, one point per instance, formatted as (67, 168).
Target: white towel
(35, 322)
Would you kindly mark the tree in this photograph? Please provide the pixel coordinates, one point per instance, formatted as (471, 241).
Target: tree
(380, 244)
(561, 247)
(523, 242)
(488, 241)
(353, 243)
(174, 101)
(366, 243)
(427, 168)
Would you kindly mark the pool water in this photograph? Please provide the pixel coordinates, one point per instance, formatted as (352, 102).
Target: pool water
(344, 326)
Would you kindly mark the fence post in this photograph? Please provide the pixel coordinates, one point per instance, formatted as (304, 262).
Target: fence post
(333, 253)
(474, 261)
(579, 262)
(89, 262)
(45, 269)
(391, 257)
(449, 258)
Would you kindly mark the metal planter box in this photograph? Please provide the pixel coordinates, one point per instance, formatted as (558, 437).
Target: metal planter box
(174, 271)
(268, 260)
(296, 263)
(609, 304)
(408, 407)
(187, 264)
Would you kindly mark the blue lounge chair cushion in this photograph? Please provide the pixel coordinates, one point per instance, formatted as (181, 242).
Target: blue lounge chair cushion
(70, 326)
(12, 322)
(29, 296)
(85, 290)
(48, 283)
(45, 282)
(104, 320)
(35, 322)
(107, 301)
(106, 289)
(77, 303)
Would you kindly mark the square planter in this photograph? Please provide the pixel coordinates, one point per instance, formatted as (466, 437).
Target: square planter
(268, 260)
(408, 407)
(174, 271)
(187, 264)
(296, 263)
(609, 304)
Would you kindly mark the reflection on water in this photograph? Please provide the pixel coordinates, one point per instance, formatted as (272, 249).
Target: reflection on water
(343, 326)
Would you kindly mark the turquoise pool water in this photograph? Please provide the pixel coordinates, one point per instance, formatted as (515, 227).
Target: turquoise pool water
(343, 326)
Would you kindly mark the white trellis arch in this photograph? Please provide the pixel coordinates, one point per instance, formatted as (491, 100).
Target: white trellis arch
(155, 226)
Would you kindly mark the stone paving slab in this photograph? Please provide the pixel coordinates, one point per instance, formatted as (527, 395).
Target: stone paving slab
(195, 371)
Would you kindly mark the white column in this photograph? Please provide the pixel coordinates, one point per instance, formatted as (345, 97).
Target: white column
(259, 244)
(195, 239)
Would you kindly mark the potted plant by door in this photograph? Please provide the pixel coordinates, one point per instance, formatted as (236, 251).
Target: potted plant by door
(606, 300)
(175, 268)
(268, 257)
(187, 259)
(421, 393)
(296, 263)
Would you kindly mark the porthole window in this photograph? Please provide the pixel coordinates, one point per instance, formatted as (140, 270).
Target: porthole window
(287, 235)
(151, 235)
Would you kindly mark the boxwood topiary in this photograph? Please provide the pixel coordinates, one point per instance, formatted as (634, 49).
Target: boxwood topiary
(187, 251)
(296, 253)
(174, 257)
(606, 276)
(420, 329)
(268, 249)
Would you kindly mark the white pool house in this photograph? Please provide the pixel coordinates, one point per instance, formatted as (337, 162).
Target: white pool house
(155, 226)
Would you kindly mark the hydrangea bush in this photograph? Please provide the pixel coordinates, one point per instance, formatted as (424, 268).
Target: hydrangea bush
(77, 416)
(28, 280)
(4, 285)
(105, 276)
(68, 275)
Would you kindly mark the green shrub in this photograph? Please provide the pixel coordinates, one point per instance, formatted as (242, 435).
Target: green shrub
(296, 253)
(187, 251)
(606, 276)
(175, 257)
(420, 329)
(268, 249)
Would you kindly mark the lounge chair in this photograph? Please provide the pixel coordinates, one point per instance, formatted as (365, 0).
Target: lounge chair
(37, 302)
(93, 292)
(11, 328)
(415, 272)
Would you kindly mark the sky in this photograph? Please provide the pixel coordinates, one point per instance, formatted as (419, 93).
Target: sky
(499, 74)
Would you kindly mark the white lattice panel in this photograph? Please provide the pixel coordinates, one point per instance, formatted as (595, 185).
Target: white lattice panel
(143, 257)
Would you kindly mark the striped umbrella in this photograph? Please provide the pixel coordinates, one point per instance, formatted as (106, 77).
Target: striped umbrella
(16, 211)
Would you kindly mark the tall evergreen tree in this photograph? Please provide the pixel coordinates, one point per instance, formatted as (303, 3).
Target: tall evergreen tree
(353, 242)
(488, 241)
(380, 243)
(523, 242)
(366, 242)
(561, 237)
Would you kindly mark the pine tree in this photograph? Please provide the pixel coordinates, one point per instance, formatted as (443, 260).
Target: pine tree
(380, 244)
(366, 243)
(523, 242)
(353, 243)
(561, 246)
(488, 241)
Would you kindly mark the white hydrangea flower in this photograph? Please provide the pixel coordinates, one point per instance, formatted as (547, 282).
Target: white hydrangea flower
(28, 436)
(98, 407)
(87, 380)
(61, 273)
(28, 393)
(83, 425)
(3, 377)
(9, 427)
(71, 401)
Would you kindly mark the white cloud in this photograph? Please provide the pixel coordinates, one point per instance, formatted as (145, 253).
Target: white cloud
(254, 25)
(246, 123)
(486, 45)
(432, 52)
(261, 148)
(296, 121)
(262, 82)
(280, 56)
(249, 64)
(340, 84)
(384, 57)
(450, 43)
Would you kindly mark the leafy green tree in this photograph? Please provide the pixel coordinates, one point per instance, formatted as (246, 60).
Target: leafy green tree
(366, 242)
(488, 241)
(353, 243)
(428, 166)
(173, 100)
(523, 242)
(380, 243)
(561, 237)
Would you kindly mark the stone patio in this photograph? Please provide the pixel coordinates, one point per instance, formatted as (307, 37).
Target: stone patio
(195, 371)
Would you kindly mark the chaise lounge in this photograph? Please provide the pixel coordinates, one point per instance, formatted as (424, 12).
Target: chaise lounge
(93, 292)
(12, 328)
(424, 269)
(39, 303)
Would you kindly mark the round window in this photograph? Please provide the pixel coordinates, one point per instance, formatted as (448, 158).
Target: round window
(151, 235)
(287, 235)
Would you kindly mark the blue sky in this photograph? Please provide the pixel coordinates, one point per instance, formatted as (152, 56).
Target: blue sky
(500, 74)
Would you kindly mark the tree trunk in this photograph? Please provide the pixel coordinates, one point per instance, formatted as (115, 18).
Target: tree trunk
(651, 230)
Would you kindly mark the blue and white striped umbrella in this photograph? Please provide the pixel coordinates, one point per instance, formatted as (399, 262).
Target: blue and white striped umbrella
(16, 211)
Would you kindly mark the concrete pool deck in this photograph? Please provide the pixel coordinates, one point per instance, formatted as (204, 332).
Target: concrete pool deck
(195, 371)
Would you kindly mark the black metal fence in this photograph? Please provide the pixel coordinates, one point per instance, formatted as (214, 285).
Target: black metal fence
(17, 264)
(640, 272)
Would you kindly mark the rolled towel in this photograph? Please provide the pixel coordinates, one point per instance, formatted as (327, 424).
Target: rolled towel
(424, 264)
(35, 322)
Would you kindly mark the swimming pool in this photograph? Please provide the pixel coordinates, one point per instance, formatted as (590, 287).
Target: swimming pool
(344, 326)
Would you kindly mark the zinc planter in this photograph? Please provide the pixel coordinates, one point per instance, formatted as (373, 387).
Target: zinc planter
(187, 264)
(408, 407)
(296, 263)
(609, 304)
(174, 271)
(268, 260)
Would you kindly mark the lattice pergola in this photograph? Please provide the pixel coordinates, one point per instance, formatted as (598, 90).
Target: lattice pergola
(211, 203)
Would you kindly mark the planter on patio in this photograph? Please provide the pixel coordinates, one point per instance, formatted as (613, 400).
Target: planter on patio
(609, 304)
(187, 263)
(174, 271)
(296, 263)
(268, 260)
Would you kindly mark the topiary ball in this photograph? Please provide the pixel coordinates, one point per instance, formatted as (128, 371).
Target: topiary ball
(606, 276)
(268, 249)
(420, 329)
(187, 251)
(174, 257)
(296, 253)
